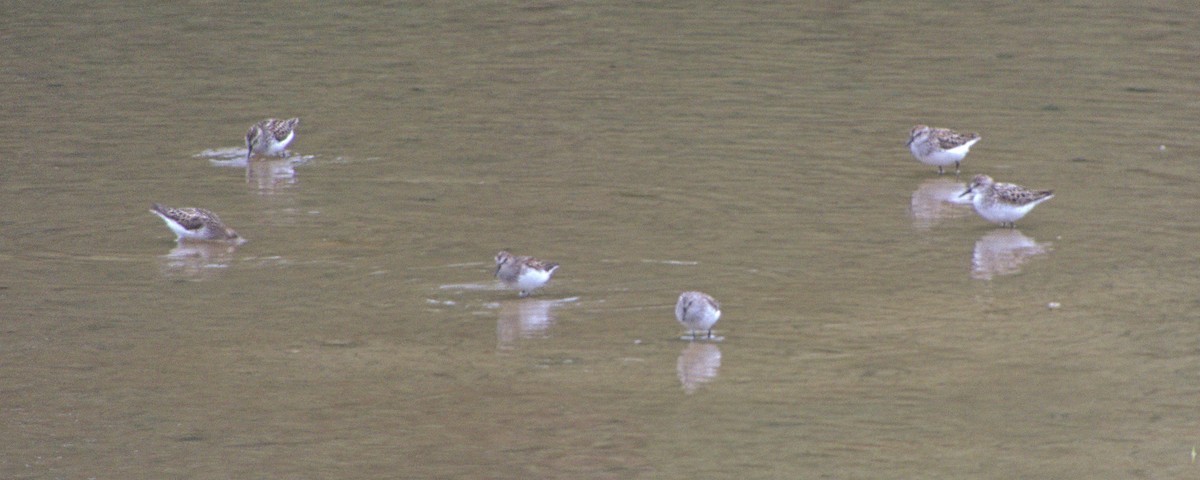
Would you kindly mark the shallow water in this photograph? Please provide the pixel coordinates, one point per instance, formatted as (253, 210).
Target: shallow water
(872, 327)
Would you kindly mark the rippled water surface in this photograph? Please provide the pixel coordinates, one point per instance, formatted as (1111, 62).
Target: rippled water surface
(874, 326)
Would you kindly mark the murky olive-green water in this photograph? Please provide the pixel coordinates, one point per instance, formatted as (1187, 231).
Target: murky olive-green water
(755, 152)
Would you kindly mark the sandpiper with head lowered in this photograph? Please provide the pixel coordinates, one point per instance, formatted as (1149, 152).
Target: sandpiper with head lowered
(270, 137)
(523, 273)
(195, 224)
(698, 312)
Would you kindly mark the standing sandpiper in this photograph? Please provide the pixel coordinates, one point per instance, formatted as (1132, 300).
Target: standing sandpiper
(1003, 203)
(698, 312)
(194, 224)
(523, 273)
(939, 146)
(270, 136)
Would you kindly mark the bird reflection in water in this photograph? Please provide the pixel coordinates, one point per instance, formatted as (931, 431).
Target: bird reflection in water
(697, 365)
(1002, 251)
(938, 199)
(271, 175)
(526, 318)
(198, 260)
(267, 175)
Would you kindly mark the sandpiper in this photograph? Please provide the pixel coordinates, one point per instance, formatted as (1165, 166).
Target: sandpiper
(939, 146)
(194, 224)
(1003, 203)
(698, 312)
(270, 136)
(523, 273)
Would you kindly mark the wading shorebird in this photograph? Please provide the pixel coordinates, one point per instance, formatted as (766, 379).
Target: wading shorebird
(523, 273)
(194, 224)
(698, 312)
(940, 147)
(269, 137)
(1003, 203)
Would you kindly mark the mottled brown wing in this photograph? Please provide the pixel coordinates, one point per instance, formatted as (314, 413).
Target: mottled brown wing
(949, 139)
(1018, 195)
(280, 129)
(189, 218)
(1029, 196)
(541, 265)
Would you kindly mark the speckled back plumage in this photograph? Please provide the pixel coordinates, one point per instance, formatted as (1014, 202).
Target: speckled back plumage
(279, 129)
(194, 223)
(948, 139)
(1008, 193)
